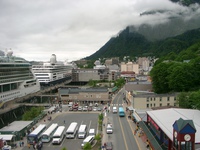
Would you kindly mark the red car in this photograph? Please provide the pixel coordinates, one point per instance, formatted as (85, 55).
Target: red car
(109, 146)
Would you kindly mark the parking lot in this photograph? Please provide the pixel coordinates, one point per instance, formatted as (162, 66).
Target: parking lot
(64, 118)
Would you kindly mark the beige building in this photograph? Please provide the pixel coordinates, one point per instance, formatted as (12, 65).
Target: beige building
(87, 95)
(129, 67)
(151, 100)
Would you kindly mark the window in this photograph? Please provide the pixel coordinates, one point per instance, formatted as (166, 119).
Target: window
(168, 104)
(167, 98)
(160, 98)
(160, 104)
(147, 99)
(147, 105)
(174, 98)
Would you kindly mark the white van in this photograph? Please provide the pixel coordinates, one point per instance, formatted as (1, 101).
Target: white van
(114, 109)
(92, 132)
(109, 129)
(82, 131)
(88, 139)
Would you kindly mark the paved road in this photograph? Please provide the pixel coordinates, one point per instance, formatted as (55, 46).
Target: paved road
(123, 137)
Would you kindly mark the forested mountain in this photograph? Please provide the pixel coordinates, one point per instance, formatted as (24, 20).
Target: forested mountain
(176, 31)
(134, 44)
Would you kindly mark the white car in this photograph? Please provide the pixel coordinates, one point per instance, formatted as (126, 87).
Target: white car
(85, 108)
(6, 147)
(80, 108)
(94, 108)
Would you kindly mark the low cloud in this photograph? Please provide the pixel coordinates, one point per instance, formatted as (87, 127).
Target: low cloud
(75, 29)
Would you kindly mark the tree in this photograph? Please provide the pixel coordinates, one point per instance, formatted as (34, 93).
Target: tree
(180, 77)
(98, 137)
(87, 146)
(189, 100)
(120, 82)
(159, 75)
(32, 113)
(64, 148)
(183, 99)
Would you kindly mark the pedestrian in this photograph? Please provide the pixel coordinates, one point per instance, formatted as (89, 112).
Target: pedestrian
(64, 121)
(105, 145)
(28, 145)
(20, 144)
(135, 132)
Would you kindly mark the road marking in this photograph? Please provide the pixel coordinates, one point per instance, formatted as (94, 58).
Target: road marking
(129, 122)
(123, 134)
(89, 124)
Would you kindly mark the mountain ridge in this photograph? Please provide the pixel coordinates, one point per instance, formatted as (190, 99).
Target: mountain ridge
(157, 37)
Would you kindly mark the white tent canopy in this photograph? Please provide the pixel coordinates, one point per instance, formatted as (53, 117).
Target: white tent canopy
(6, 137)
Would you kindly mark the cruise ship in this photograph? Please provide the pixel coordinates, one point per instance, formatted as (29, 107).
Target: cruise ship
(16, 78)
(52, 72)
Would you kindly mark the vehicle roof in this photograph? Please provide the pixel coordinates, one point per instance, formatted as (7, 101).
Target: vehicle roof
(88, 138)
(91, 130)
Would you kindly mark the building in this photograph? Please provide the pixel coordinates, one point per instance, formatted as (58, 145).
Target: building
(17, 128)
(140, 95)
(85, 95)
(112, 61)
(129, 67)
(173, 128)
(85, 75)
(150, 100)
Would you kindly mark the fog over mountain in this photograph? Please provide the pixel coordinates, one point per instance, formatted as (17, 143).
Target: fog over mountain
(157, 32)
(172, 23)
(75, 29)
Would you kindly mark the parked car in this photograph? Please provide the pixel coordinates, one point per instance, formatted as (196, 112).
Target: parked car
(89, 108)
(99, 109)
(109, 146)
(70, 104)
(80, 108)
(95, 109)
(85, 108)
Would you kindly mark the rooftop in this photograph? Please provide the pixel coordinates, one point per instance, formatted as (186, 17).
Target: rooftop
(165, 118)
(16, 126)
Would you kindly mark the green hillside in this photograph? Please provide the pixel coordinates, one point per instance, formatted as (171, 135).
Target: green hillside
(134, 44)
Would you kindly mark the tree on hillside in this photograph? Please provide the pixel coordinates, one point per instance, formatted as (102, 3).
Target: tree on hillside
(189, 100)
(180, 77)
(183, 100)
(159, 75)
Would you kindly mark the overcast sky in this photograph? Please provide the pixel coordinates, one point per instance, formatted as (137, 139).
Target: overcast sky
(71, 29)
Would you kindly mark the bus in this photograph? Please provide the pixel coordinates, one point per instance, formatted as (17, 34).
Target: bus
(72, 130)
(58, 135)
(48, 134)
(35, 135)
(121, 112)
(82, 131)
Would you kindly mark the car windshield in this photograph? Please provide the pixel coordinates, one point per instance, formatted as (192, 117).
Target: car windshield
(109, 144)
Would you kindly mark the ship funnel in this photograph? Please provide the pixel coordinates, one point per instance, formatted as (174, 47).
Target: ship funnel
(53, 59)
